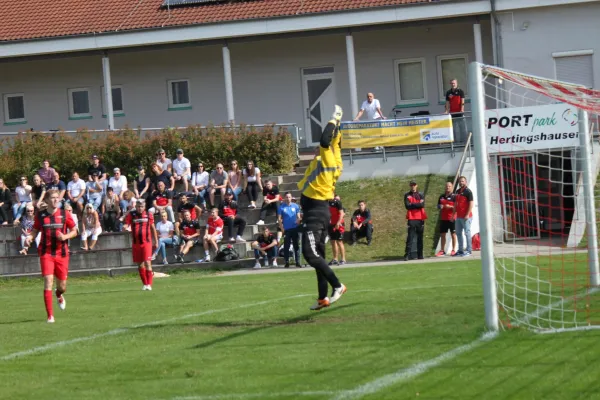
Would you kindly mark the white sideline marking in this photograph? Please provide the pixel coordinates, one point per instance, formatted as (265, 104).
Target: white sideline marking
(50, 346)
(257, 395)
(411, 372)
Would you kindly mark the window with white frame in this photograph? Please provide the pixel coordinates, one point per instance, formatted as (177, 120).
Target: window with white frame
(179, 93)
(79, 103)
(14, 108)
(452, 67)
(411, 85)
(117, 100)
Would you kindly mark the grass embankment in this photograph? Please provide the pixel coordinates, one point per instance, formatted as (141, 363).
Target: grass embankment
(385, 199)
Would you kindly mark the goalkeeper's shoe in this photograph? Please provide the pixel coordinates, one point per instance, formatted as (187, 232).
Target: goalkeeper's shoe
(321, 304)
(337, 293)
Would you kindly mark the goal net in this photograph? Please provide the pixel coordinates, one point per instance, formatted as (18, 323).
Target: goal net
(537, 162)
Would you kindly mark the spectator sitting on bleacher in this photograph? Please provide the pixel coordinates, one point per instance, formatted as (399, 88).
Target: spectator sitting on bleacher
(76, 193)
(46, 172)
(166, 236)
(141, 189)
(189, 233)
(182, 169)
(163, 162)
(90, 228)
(23, 194)
(200, 181)
(128, 198)
(119, 184)
(68, 208)
(94, 190)
(38, 191)
(271, 202)
(228, 212)
(26, 228)
(235, 180)
(98, 168)
(265, 245)
(362, 226)
(5, 202)
(218, 181)
(110, 210)
(186, 204)
(164, 176)
(252, 183)
(213, 233)
(59, 185)
(162, 200)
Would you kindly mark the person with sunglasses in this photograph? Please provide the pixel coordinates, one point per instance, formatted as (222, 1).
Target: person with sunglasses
(23, 192)
(200, 181)
(163, 162)
(218, 181)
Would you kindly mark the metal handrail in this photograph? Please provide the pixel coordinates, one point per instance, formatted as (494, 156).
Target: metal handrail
(461, 163)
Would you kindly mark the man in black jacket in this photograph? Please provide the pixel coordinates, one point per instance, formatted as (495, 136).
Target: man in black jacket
(414, 201)
(362, 226)
(5, 202)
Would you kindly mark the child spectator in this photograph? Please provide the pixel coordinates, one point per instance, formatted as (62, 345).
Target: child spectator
(362, 226)
(265, 245)
(271, 202)
(228, 213)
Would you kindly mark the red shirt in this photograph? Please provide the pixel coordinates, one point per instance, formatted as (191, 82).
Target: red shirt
(462, 199)
(140, 226)
(162, 199)
(335, 210)
(455, 98)
(228, 208)
(272, 193)
(415, 210)
(49, 225)
(446, 213)
(190, 228)
(214, 225)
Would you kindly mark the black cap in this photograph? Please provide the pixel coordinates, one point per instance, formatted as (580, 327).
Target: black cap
(179, 151)
(413, 182)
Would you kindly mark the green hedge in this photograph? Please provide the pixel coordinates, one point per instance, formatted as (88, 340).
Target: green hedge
(272, 149)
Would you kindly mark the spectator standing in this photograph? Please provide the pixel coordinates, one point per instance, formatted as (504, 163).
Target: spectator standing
(94, 190)
(463, 207)
(162, 201)
(228, 213)
(218, 181)
(265, 245)
(371, 107)
(213, 234)
(252, 183)
(189, 232)
(119, 184)
(163, 162)
(90, 228)
(110, 210)
(362, 225)
(5, 202)
(98, 168)
(414, 201)
(166, 237)
(164, 176)
(455, 106)
(182, 169)
(23, 194)
(271, 199)
(336, 231)
(60, 187)
(447, 224)
(235, 180)
(288, 218)
(200, 181)
(141, 189)
(38, 192)
(46, 172)
(75, 193)
(186, 204)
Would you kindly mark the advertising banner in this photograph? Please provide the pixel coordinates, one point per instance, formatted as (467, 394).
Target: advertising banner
(511, 130)
(397, 132)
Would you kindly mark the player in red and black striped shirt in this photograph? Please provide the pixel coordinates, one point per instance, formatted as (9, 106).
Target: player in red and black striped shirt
(141, 224)
(447, 224)
(57, 227)
(336, 231)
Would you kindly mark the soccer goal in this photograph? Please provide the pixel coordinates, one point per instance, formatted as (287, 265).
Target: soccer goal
(537, 163)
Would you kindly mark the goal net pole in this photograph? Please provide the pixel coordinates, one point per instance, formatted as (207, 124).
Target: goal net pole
(484, 201)
(588, 193)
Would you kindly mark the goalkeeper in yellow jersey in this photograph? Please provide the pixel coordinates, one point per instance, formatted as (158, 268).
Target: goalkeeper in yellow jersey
(317, 188)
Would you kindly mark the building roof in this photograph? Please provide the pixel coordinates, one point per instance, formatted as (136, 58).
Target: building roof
(36, 19)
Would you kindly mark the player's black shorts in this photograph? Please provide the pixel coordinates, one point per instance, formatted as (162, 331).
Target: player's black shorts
(446, 226)
(335, 234)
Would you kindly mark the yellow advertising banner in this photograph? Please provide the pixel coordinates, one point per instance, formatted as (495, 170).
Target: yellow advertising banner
(397, 132)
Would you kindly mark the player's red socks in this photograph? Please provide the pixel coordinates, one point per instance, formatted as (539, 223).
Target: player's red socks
(48, 302)
(149, 276)
(143, 275)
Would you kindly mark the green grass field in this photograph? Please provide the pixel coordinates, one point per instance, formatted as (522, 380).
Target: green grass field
(396, 334)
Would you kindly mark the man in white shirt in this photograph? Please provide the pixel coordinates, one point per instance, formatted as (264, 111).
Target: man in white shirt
(163, 162)
(75, 191)
(371, 107)
(119, 184)
(182, 169)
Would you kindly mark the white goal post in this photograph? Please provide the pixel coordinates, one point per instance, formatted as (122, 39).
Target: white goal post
(536, 170)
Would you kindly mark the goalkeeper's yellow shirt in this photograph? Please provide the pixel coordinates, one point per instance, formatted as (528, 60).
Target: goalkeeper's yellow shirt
(325, 169)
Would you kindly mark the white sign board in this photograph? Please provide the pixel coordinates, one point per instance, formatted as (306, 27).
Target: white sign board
(510, 130)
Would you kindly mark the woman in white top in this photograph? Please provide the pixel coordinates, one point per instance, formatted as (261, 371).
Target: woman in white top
(235, 179)
(166, 236)
(91, 227)
(252, 183)
(199, 184)
(23, 192)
